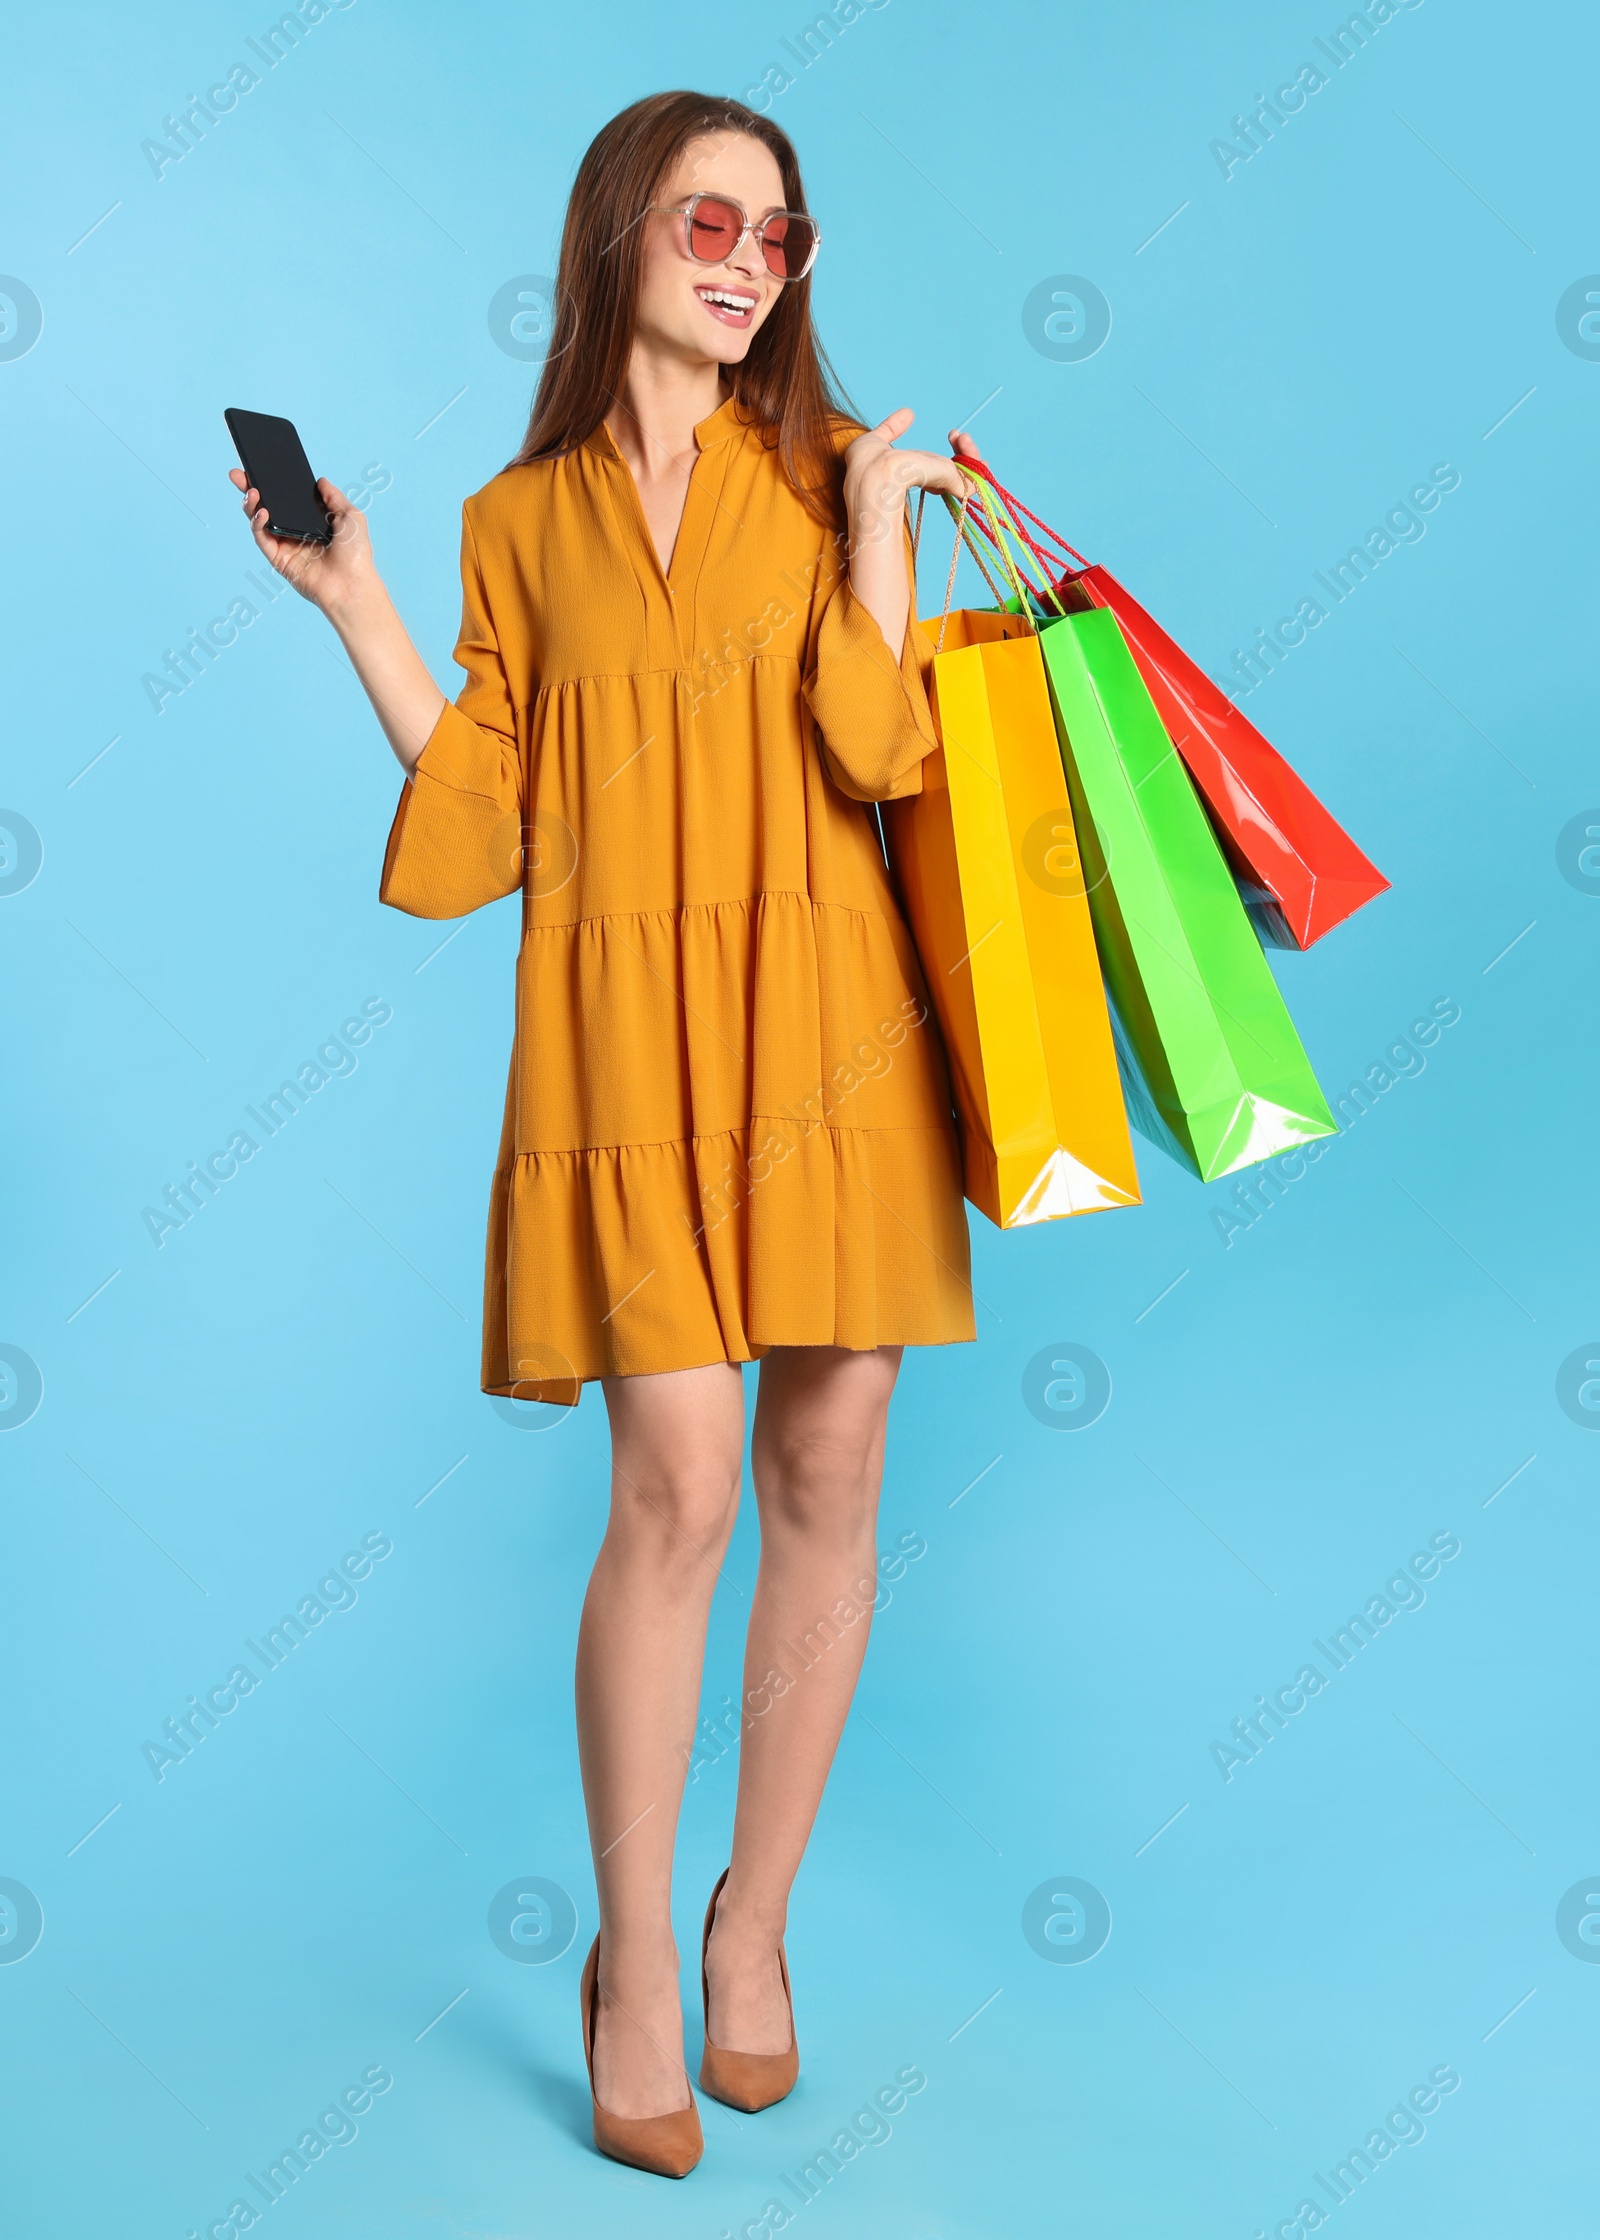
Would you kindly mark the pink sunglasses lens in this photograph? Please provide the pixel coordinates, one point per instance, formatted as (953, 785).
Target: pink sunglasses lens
(789, 243)
(714, 230)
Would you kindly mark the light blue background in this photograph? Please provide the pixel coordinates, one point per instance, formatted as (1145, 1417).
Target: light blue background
(1363, 1368)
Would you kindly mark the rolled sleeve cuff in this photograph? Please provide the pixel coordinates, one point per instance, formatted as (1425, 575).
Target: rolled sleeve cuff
(456, 840)
(872, 713)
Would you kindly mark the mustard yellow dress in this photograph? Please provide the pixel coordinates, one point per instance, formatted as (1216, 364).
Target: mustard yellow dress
(728, 1119)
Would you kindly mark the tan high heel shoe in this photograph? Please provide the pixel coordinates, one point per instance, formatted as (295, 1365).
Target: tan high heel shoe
(750, 2081)
(668, 2145)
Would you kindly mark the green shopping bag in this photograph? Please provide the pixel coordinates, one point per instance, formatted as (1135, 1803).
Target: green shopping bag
(1213, 1069)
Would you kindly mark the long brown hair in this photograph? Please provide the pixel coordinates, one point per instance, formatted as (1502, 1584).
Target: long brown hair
(784, 383)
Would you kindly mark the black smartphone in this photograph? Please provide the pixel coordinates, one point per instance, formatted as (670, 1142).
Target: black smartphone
(272, 455)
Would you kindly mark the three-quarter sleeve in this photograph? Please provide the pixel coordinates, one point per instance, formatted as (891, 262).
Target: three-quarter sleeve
(871, 711)
(456, 841)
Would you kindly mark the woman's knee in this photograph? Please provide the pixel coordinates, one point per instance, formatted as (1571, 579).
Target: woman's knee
(687, 1509)
(677, 1447)
(812, 1477)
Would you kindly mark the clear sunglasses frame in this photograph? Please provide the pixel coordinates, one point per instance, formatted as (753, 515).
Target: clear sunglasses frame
(755, 233)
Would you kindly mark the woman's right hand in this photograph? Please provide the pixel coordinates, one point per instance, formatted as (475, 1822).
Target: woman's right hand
(340, 579)
(332, 576)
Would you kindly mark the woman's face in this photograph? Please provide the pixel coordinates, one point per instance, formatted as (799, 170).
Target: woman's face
(698, 311)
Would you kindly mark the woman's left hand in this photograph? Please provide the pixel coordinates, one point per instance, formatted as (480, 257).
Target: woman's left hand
(877, 476)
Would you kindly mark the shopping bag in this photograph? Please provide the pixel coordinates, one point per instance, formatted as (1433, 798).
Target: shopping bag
(1298, 869)
(1215, 1070)
(987, 864)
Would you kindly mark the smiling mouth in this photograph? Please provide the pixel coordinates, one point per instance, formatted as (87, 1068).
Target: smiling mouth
(731, 305)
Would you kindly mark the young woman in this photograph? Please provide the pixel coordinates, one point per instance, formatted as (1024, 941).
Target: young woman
(691, 667)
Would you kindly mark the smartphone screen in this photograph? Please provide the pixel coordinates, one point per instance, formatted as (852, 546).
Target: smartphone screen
(272, 455)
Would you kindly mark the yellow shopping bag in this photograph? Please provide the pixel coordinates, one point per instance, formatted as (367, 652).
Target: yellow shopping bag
(987, 861)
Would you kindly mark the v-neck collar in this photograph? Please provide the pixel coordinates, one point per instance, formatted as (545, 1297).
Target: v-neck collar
(699, 502)
(715, 428)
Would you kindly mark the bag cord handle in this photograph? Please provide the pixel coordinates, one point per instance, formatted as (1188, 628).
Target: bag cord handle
(964, 535)
(1020, 513)
(986, 520)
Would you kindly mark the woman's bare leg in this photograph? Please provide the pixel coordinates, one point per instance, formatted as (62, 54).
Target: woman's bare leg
(817, 1456)
(677, 1443)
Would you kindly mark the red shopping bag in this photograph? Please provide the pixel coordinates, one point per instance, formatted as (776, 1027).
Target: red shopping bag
(1298, 869)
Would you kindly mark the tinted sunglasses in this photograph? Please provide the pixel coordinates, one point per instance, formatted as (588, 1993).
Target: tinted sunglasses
(714, 226)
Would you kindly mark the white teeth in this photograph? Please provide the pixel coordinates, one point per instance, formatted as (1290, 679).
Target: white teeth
(727, 301)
